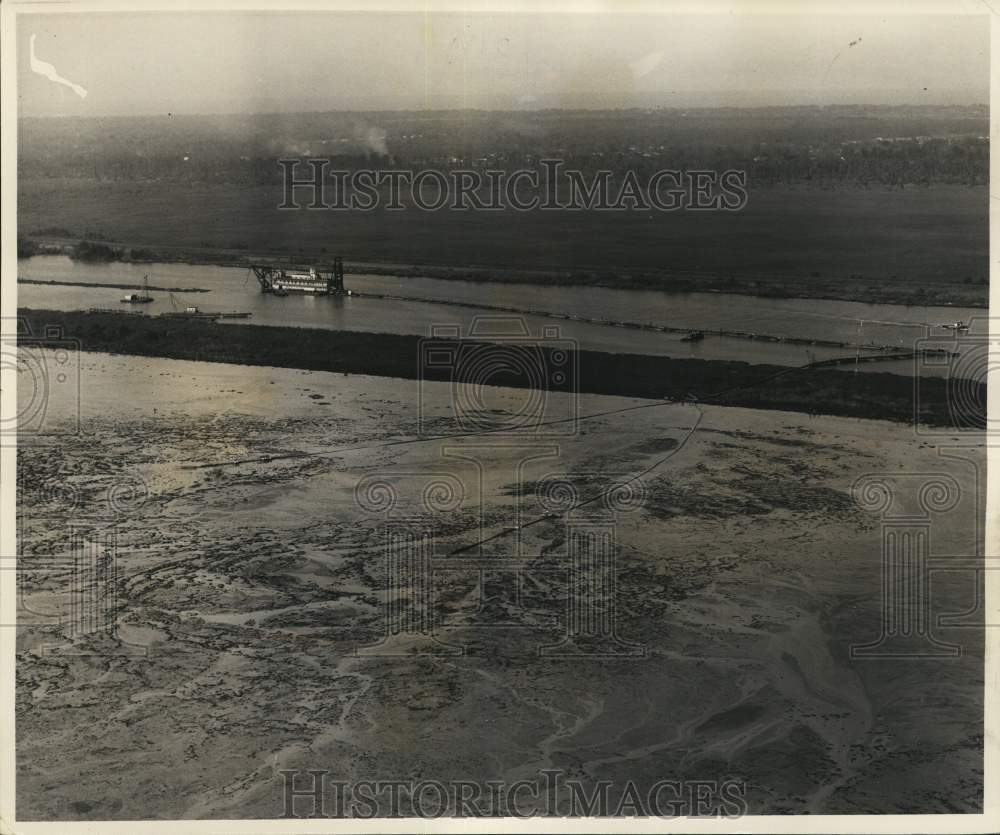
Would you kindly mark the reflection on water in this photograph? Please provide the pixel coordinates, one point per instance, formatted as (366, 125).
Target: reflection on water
(236, 289)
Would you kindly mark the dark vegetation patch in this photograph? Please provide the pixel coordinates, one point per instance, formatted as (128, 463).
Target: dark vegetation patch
(347, 616)
(733, 718)
(89, 251)
(747, 496)
(780, 494)
(782, 439)
(655, 445)
(667, 500)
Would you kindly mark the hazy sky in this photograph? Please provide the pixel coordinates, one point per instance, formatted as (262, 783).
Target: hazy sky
(148, 63)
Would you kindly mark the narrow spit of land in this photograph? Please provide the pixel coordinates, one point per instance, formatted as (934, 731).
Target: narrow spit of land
(810, 390)
(104, 286)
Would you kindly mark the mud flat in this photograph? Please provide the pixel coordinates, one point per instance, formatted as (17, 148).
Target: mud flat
(251, 504)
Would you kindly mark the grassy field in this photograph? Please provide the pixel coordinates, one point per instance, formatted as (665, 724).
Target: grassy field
(914, 245)
(869, 395)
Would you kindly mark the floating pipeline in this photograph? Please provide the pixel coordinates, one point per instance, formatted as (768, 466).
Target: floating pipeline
(642, 326)
(546, 314)
(888, 352)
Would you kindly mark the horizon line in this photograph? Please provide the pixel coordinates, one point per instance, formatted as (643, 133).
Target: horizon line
(521, 110)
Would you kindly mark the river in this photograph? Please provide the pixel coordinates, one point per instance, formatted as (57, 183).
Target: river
(236, 289)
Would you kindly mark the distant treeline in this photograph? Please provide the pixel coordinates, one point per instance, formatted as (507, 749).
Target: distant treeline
(88, 251)
(826, 146)
(85, 250)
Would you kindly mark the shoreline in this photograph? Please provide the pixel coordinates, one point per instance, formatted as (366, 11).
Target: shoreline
(876, 395)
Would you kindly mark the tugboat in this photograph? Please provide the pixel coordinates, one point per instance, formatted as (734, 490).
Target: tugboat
(139, 298)
(694, 336)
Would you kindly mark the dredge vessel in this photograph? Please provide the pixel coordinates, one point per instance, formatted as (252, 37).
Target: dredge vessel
(281, 281)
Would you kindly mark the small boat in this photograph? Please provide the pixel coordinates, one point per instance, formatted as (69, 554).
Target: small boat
(139, 298)
(959, 326)
(694, 336)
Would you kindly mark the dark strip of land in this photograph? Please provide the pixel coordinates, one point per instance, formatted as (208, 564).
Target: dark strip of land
(915, 245)
(815, 391)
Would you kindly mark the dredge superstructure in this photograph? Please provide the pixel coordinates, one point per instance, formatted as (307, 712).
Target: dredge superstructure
(281, 281)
